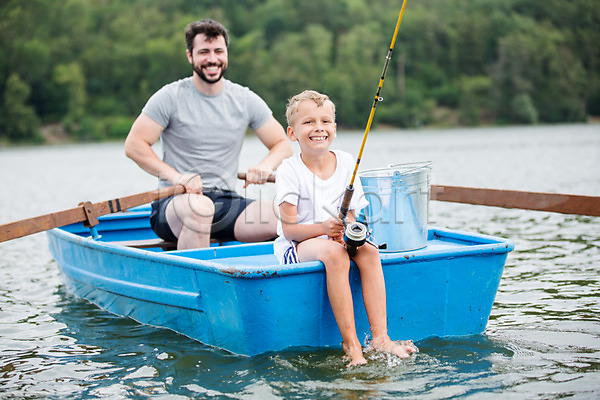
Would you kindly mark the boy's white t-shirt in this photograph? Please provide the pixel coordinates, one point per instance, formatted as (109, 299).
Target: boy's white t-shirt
(316, 200)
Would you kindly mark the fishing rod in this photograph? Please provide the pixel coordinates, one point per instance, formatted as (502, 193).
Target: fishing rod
(350, 189)
(356, 231)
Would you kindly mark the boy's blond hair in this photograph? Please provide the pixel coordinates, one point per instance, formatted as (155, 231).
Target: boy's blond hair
(292, 105)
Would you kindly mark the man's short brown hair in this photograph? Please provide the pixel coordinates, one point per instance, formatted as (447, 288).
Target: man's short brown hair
(211, 29)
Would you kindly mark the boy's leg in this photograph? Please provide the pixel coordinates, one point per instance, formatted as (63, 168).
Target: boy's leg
(373, 287)
(337, 267)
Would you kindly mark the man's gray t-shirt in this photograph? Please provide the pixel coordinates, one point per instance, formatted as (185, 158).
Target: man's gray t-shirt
(204, 134)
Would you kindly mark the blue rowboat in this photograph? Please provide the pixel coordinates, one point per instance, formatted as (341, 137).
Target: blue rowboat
(237, 297)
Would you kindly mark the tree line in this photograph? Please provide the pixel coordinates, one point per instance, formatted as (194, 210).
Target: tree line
(86, 67)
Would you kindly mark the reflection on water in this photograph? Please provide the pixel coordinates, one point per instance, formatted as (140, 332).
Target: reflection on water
(95, 353)
(542, 341)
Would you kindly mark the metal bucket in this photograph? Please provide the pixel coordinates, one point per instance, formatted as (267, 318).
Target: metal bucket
(398, 205)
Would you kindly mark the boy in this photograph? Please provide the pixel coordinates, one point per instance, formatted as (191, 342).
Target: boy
(309, 189)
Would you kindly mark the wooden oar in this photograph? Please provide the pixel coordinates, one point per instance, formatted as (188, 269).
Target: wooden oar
(553, 202)
(85, 212)
(242, 176)
(536, 201)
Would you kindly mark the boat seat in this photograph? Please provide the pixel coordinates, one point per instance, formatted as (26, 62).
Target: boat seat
(151, 243)
(147, 244)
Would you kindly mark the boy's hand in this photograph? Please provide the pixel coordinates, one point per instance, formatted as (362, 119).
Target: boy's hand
(334, 228)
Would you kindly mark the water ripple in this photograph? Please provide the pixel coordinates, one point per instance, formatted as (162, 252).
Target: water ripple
(542, 340)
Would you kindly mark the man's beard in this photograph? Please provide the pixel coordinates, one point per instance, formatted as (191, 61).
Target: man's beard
(205, 78)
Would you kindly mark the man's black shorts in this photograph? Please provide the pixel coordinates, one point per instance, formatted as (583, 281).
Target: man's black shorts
(228, 207)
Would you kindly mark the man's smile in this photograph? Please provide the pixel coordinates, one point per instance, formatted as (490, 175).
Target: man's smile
(212, 69)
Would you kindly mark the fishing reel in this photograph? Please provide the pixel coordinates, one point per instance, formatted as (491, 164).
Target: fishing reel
(355, 236)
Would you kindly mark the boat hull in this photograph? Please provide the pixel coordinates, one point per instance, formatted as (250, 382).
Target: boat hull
(238, 298)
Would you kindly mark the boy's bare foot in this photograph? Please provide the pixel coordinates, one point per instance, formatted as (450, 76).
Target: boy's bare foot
(402, 349)
(355, 355)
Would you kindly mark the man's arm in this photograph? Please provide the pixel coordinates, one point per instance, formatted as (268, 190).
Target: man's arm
(272, 135)
(138, 146)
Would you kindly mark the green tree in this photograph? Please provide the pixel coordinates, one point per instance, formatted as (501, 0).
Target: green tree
(299, 61)
(72, 78)
(358, 68)
(19, 120)
(473, 99)
(523, 110)
(99, 61)
(535, 62)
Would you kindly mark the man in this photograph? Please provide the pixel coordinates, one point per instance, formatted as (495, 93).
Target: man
(202, 121)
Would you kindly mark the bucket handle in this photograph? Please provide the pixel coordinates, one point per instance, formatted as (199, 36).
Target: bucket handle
(417, 165)
(397, 174)
(414, 166)
(397, 177)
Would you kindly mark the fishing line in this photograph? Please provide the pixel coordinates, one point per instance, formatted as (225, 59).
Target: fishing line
(350, 189)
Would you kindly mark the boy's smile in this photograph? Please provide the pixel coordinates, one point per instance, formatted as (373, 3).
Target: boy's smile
(318, 138)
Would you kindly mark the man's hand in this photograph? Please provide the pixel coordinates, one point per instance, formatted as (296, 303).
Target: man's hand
(257, 175)
(192, 183)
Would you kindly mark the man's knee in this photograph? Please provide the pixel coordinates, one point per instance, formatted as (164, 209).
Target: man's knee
(202, 206)
(192, 211)
(193, 206)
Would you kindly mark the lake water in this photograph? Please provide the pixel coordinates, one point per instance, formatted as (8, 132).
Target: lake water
(542, 340)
